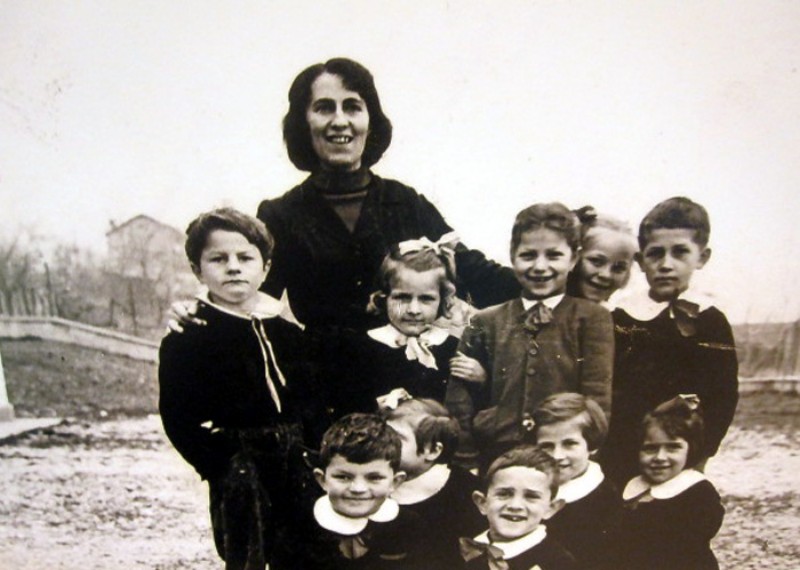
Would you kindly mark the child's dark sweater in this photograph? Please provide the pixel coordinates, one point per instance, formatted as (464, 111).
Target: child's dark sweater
(448, 514)
(234, 396)
(213, 379)
(673, 530)
(366, 366)
(546, 555)
(655, 362)
(585, 523)
(386, 542)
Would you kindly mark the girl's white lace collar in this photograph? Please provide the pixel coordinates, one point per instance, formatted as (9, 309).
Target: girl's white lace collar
(642, 308)
(666, 490)
(581, 485)
(423, 487)
(393, 338)
(516, 547)
(340, 524)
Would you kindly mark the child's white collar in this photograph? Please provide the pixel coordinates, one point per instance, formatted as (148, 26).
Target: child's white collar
(340, 524)
(267, 307)
(666, 490)
(392, 337)
(517, 546)
(422, 487)
(581, 485)
(550, 302)
(642, 308)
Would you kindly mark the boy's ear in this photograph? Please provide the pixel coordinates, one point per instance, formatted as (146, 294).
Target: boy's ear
(319, 475)
(432, 452)
(555, 506)
(480, 501)
(705, 255)
(638, 258)
(195, 269)
(399, 477)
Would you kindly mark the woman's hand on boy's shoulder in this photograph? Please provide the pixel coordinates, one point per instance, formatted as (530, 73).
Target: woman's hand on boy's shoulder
(466, 368)
(181, 314)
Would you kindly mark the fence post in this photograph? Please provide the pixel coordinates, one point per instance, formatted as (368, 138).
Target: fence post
(6, 409)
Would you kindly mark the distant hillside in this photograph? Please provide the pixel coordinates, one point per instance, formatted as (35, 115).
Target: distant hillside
(768, 350)
(52, 378)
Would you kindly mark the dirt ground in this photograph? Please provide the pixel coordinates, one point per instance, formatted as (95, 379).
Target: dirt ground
(91, 495)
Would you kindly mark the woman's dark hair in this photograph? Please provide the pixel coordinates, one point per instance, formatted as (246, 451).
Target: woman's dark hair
(355, 77)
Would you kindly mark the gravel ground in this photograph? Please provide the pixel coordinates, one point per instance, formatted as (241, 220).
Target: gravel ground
(91, 494)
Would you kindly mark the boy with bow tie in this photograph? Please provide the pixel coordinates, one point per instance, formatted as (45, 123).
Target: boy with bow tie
(518, 353)
(671, 340)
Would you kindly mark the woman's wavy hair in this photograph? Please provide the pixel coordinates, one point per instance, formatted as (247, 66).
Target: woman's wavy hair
(355, 77)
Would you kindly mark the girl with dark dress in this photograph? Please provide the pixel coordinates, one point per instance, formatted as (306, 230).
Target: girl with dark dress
(671, 511)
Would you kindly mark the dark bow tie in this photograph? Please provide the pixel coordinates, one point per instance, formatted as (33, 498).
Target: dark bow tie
(537, 316)
(353, 547)
(471, 549)
(685, 314)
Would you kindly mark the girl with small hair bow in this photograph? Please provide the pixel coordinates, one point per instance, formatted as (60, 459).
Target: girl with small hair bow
(416, 288)
(671, 510)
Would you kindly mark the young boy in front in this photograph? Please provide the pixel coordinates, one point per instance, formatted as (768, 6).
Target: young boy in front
(228, 390)
(355, 524)
(516, 354)
(520, 493)
(670, 341)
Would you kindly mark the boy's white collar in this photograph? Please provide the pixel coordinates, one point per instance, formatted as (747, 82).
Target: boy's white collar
(642, 308)
(666, 490)
(340, 524)
(517, 546)
(393, 338)
(550, 302)
(581, 485)
(267, 307)
(422, 487)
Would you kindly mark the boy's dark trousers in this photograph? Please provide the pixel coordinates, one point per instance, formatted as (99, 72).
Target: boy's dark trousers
(263, 486)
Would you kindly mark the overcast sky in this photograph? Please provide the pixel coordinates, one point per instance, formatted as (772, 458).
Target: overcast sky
(111, 108)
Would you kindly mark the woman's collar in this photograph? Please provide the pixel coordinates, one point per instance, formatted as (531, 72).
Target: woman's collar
(423, 487)
(666, 490)
(335, 182)
(641, 307)
(517, 546)
(330, 520)
(391, 337)
(581, 485)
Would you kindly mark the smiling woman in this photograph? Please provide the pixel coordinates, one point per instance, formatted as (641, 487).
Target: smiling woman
(333, 230)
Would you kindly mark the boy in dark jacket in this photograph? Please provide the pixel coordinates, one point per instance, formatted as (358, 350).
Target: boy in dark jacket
(228, 389)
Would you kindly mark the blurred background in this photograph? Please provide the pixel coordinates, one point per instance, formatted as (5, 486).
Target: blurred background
(120, 121)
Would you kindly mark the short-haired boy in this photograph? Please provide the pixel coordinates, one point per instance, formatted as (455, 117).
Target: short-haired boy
(572, 428)
(516, 354)
(439, 492)
(521, 487)
(671, 340)
(228, 390)
(355, 524)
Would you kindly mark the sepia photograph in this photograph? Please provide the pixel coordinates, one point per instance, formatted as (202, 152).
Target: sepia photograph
(415, 285)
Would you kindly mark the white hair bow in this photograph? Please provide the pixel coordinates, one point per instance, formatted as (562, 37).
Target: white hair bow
(445, 244)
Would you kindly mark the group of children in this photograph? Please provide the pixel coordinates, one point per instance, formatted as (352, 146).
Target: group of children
(552, 434)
